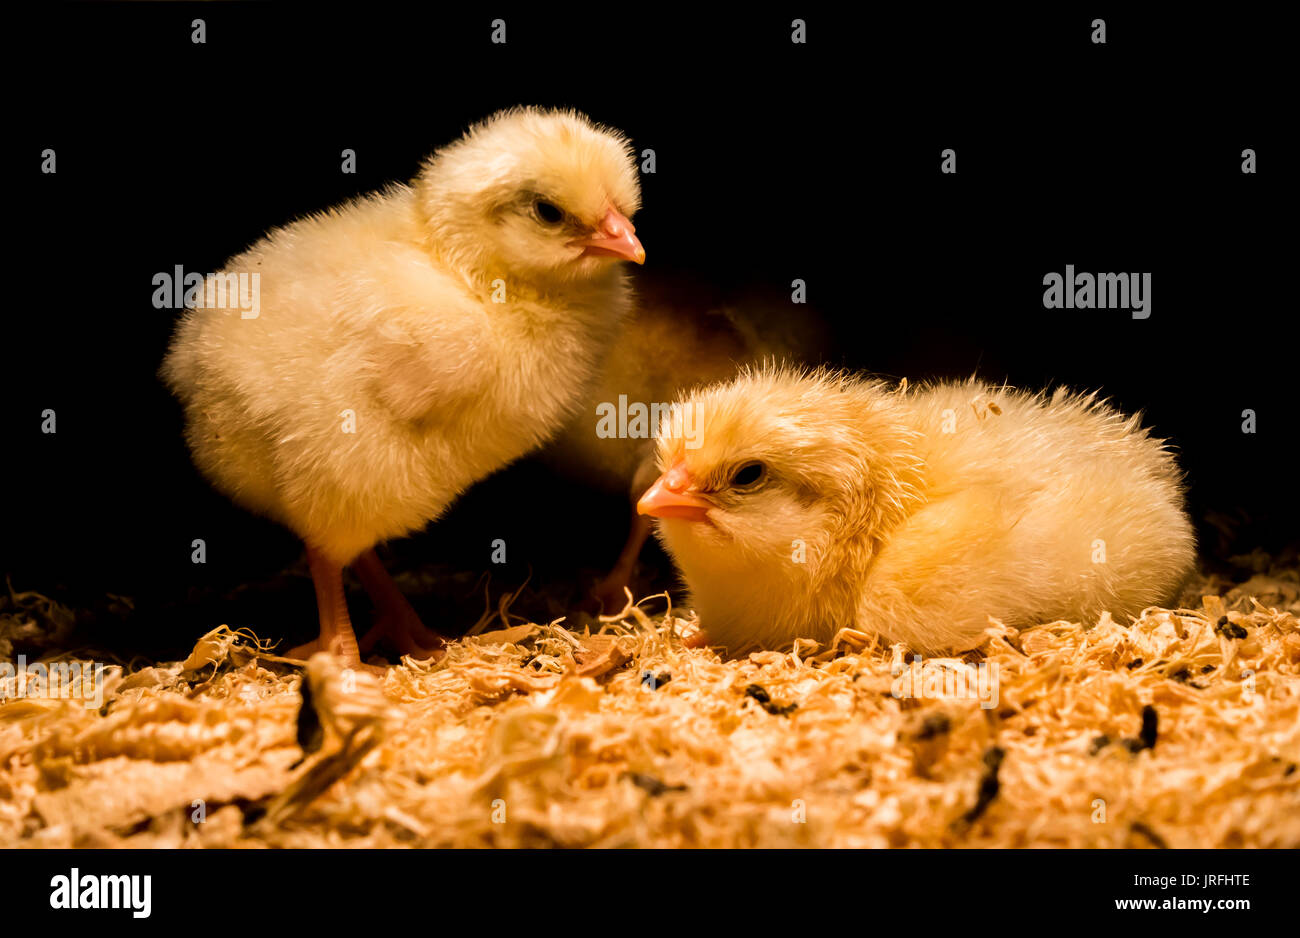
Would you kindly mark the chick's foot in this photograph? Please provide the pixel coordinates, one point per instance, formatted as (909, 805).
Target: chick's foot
(338, 650)
(396, 620)
(699, 639)
(407, 634)
(336, 635)
(608, 596)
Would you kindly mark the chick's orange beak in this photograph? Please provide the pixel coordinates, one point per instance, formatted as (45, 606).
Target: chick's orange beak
(669, 497)
(616, 237)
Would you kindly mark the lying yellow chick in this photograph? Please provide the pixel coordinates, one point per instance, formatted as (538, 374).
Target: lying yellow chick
(409, 343)
(797, 503)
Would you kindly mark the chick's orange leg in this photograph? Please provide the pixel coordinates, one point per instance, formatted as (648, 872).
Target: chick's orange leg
(609, 590)
(397, 620)
(336, 635)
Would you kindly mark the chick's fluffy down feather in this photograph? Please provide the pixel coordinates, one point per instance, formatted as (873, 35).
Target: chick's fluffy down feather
(917, 513)
(382, 375)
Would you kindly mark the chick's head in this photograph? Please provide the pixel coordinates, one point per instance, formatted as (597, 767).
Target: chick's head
(534, 193)
(780, 482)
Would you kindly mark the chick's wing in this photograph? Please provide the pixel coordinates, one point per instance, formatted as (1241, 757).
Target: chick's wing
(423, 360)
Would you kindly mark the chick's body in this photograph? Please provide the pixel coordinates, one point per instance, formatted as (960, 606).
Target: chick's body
(916, 514)
(411, 342)
(375, 386)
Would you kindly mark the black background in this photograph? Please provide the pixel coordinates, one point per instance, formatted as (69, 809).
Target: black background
(775, 161)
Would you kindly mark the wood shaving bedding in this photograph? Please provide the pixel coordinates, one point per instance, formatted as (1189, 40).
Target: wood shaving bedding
(1181, 729)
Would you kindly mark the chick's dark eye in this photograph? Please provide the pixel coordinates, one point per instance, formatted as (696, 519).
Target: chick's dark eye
(748, 475)
(548, 212)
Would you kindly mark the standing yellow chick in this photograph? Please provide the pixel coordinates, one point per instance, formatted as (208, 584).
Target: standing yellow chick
(409, 343)
(797, 503)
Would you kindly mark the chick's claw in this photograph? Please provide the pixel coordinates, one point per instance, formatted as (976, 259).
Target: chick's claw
(609, 596)
(406, 634)
(697, 639)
